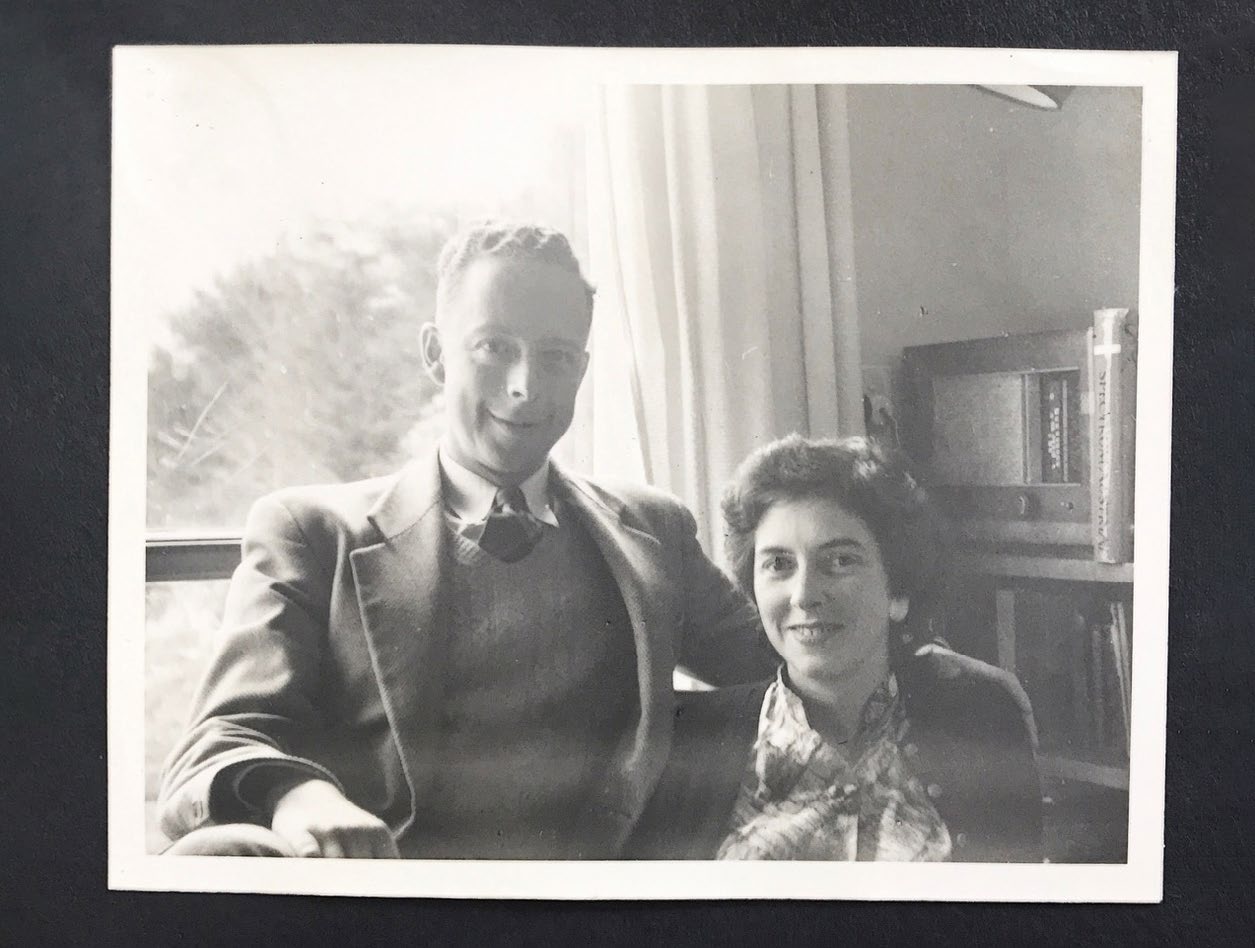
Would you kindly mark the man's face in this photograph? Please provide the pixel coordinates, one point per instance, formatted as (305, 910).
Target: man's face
(509, 352)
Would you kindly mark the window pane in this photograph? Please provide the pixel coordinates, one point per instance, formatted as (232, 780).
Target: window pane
(181, 622)
(282, 216)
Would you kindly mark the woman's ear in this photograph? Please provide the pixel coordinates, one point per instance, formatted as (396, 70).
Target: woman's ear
(899, 606)
(432, 351)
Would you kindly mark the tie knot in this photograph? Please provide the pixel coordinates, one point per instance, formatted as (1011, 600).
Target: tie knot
(510, 500)
(510, 531)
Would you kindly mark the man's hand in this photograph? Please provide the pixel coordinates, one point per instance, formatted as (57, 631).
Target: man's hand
(316, 819)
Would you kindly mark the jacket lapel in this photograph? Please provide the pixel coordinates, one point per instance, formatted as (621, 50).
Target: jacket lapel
(397, 582)
(635, 560)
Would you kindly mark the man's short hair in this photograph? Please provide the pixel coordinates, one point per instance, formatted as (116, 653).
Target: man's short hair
(503, 240)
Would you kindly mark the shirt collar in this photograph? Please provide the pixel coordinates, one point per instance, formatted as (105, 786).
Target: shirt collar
(783, 718)
(787, 743)
(469, 497)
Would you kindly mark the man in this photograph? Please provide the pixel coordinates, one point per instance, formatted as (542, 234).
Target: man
(472, 658)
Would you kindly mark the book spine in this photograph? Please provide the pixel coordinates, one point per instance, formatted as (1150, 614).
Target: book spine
(1126, 662)
(1120, 675)
(1110, 455)
(1128, 427)
(1098, 697)
(1078, 664)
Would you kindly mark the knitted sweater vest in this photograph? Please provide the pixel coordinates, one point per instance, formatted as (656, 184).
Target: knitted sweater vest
(541, 685)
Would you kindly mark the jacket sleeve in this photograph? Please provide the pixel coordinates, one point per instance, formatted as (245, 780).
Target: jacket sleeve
(261, 685)
(722, 640)
(1011, 827)
(978, 754)
(688, 815)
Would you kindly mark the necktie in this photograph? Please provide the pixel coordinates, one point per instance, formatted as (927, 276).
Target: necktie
(510, 531)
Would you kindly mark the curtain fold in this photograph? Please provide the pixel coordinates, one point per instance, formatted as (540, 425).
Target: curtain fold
(726, 305)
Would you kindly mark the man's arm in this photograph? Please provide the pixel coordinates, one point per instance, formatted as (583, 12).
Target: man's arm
(723, 641)
(260, 692)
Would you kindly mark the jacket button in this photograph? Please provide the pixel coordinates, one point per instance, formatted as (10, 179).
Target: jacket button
(960, 839)
(911, 750)
(933, 790)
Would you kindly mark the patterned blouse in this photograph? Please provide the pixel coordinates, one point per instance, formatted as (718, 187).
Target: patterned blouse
(803, 798)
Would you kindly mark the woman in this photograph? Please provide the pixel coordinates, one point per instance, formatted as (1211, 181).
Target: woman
(864, 746)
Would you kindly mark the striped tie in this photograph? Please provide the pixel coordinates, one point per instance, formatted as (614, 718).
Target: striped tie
(510, 531)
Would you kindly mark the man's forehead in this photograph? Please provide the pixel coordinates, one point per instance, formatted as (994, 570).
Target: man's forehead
(521, 294)
(504, 276)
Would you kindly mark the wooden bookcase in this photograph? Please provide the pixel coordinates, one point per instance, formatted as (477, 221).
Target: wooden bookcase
(996, 611)
(1026, 443)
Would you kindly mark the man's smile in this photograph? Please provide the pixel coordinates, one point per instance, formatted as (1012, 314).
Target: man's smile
(518, 425)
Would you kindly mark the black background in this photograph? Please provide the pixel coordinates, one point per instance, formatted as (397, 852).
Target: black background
(54, 386)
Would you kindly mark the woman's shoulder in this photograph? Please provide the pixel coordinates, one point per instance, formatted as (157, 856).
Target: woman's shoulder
(949, 685)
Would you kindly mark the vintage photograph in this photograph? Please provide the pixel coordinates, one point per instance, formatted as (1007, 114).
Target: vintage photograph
(535, 470)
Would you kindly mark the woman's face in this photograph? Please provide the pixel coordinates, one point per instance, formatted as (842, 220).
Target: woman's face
(823, 594)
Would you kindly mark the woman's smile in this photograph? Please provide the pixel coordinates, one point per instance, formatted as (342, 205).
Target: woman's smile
(811, 632)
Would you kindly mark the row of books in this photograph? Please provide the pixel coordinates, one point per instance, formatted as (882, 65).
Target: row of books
(1075, 664)
(1106, 706)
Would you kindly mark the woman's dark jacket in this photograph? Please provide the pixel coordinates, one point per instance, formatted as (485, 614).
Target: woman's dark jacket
(973, 736)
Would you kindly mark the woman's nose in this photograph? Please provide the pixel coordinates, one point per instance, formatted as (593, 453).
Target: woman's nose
(807, 591)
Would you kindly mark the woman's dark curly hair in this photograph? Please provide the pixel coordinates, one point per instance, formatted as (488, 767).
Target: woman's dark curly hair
(871, 481)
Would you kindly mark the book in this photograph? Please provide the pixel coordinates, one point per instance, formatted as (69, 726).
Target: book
(1078, 664)
(1118, 676)
(1097, 688)
(1113, 414)
(1124, 667)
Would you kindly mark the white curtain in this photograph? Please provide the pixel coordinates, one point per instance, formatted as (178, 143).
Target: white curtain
(726, 309)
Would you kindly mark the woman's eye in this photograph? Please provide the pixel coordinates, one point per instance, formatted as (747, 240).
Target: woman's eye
(775, 564)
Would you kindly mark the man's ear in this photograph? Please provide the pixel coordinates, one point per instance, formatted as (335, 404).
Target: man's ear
(433, 352)
(899, 606)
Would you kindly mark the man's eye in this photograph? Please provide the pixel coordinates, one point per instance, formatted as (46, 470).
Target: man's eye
(560, 360)
(494, 348)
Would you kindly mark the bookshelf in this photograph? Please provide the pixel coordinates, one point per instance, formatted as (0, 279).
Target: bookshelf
(1027, 441)
(1043, 567)
(1047, 615)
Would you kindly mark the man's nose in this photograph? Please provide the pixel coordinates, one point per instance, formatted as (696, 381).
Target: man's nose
(523, 381)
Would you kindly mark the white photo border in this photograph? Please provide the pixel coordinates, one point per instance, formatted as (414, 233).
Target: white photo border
(1139, 880)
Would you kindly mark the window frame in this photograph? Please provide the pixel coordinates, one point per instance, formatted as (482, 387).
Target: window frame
(190, 557)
